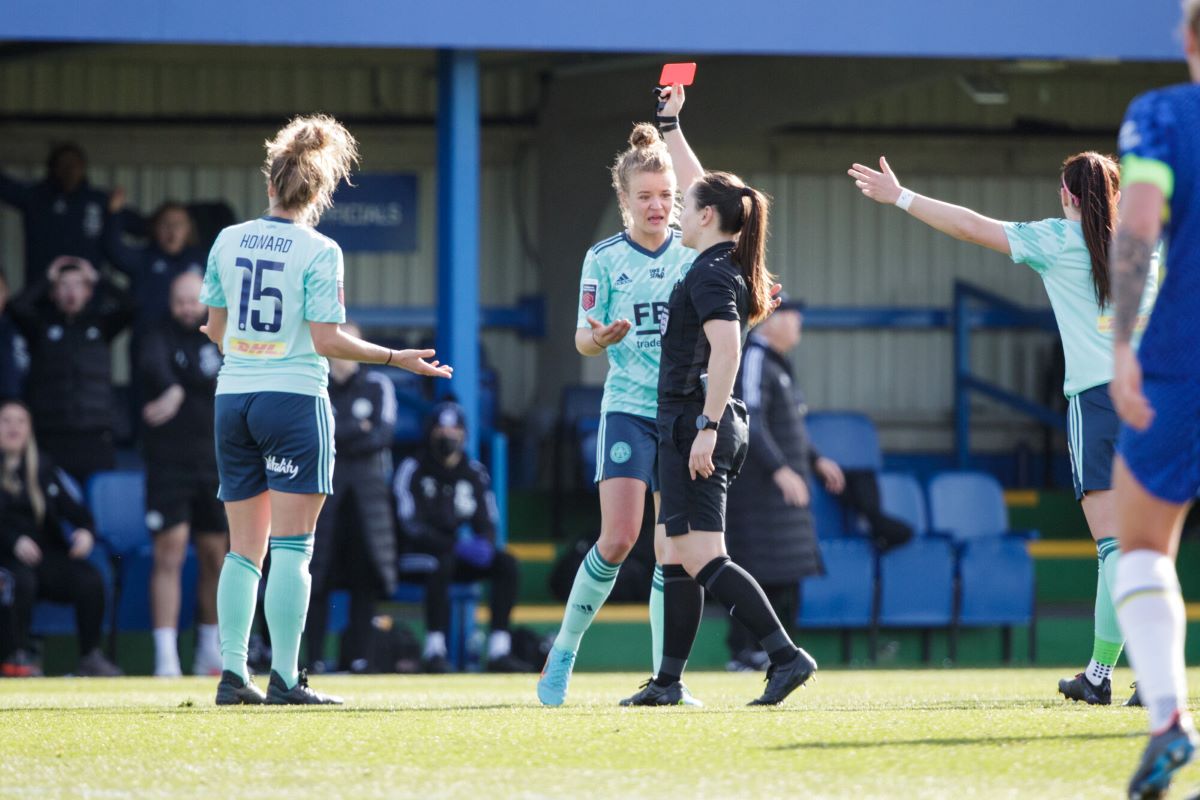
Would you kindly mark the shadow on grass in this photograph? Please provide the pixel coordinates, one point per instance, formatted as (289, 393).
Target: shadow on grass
(955, 742)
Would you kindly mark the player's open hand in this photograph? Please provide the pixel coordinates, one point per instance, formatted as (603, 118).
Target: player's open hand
(672, 98)
(882, 186)
(607, 335)
(776, 288)
(415, 361)
(700, 461)
(1126, 389)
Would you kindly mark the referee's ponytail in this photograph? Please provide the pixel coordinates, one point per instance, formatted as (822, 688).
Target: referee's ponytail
(742, 210)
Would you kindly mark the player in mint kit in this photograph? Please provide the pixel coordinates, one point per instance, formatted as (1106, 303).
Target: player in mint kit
(1157, 394)
(1070, 254)
(274, 291)
(626, 281)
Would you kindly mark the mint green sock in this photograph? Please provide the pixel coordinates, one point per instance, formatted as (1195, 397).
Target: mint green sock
(1109, 639)
(593, 582)
(237, 595)
(656, 617)
(285, 604)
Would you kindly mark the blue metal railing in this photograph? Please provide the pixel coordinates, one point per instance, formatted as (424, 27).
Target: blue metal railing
(997, 312)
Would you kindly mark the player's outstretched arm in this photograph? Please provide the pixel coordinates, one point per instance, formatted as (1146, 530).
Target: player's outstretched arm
(687, 165)
(883, 186)
(331, 341)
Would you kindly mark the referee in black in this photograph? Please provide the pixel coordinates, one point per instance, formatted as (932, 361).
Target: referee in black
(703, 433)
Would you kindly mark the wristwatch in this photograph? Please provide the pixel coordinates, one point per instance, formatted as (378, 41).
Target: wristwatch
(703, 423)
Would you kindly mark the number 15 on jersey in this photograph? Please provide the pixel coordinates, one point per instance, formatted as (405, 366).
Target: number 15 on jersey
(253, 290)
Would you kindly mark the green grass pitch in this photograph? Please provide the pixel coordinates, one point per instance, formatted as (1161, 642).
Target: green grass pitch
(854, 734)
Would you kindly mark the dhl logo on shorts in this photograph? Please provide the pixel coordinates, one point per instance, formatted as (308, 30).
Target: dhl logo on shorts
(1104, 323)
(245, 347)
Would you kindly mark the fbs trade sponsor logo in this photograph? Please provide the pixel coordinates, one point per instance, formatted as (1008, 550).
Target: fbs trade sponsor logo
(245, 347)
(282, 466)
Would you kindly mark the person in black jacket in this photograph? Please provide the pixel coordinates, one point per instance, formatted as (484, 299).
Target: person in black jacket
(447, 510)
(62, 213)
(152, 267)
(178, 371)
(45, 562)
(770, 530)
(69, 319)
(14, 354)
(355, 544)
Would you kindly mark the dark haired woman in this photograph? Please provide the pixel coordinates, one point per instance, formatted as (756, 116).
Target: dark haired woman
(34, 504)
(703, 430)
(1070, 254)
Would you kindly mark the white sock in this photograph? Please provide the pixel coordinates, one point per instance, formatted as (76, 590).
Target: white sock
(208, 643)
(435, 645)
(499, 644)
(166, 652)
(1097, 672)
(1150, 608)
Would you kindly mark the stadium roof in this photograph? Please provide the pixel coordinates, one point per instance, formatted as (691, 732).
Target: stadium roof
(1031, 29)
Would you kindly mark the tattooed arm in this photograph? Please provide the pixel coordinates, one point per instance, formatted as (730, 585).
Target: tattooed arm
(1132, 250)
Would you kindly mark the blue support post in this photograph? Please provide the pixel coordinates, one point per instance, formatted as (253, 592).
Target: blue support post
(499, 472)
(458, 161)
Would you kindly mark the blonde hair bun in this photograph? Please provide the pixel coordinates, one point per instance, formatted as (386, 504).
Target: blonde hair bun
(644, 135)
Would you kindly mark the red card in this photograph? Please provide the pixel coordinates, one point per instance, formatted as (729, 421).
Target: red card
(682, 74)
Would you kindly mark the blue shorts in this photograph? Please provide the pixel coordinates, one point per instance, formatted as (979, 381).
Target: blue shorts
(273, 440)
(1092, 426)
(1165, 458)
(627, 447)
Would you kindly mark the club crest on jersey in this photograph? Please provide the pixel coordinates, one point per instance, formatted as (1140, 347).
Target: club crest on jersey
(587, 295)
(624, 280)
(664, 319)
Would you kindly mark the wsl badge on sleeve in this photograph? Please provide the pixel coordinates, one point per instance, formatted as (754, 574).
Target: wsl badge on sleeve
(587, 294)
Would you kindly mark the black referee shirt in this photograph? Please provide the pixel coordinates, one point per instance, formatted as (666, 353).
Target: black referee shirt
(712, 289)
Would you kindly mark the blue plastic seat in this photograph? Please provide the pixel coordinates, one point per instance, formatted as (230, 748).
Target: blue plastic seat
(997, 582)
(118, 502)
(844, 597)
(901, 497)
(996, 573)
(849, 438)
(967, 505)
(916, 585)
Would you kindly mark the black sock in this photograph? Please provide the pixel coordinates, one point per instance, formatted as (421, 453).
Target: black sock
(737, 590)
(683, 603)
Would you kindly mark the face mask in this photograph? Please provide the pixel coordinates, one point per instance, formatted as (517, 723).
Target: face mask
(444, 447)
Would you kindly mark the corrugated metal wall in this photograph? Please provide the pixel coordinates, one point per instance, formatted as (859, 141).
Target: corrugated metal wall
(828, 243)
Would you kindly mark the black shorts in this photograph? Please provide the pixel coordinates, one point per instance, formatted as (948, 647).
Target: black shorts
(698, 505)
(176, 494)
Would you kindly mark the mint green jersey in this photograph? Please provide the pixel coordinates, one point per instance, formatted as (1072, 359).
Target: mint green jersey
(1056, 250)
(623, 280)
(274, 277)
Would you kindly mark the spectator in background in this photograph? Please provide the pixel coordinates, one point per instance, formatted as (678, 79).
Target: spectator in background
(152, 267)
(770, 524)
(69, 319)
(178, 372)
(355, 545)
(62, 213)
(45, 562)
(447, 510)
(14, 355)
